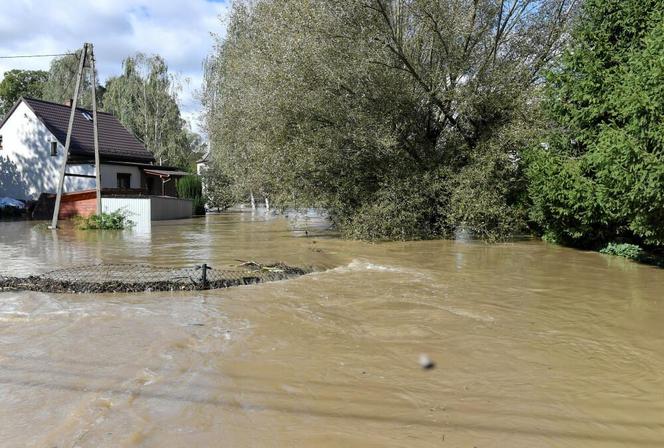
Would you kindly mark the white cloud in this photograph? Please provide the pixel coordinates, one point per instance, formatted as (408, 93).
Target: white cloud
(178, 30)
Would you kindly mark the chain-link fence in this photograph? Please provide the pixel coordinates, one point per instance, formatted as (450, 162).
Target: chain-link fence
(103, 278)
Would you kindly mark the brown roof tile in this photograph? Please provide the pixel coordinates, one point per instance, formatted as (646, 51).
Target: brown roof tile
(116, 143)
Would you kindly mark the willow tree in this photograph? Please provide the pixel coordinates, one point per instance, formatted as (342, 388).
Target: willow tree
(404, 118)
(145, 99)
(61, 81)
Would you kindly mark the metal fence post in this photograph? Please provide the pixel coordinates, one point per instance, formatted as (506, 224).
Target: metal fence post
(204, 282)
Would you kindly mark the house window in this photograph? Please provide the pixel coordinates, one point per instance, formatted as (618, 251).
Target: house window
(0, 142)
(124, 181)
(54, 149)
(87, 116)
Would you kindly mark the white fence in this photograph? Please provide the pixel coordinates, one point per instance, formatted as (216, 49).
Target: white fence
(146, 209)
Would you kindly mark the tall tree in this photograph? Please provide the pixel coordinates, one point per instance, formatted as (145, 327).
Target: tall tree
(18, 83)
(404, 118)
(59, 86)
(145, 100)
(601, 176)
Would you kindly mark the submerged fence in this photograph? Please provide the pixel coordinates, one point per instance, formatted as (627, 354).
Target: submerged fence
(102, 278)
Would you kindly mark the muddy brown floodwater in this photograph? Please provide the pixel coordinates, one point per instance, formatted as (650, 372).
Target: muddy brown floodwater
(535, 345)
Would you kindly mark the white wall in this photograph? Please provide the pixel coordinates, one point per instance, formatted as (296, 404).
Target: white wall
(26, 165)
(153, 208)
(137, 209)
(109, 175)
(27, 168)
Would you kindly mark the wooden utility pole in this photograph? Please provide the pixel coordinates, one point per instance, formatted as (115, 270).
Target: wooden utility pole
(63, 169)
(95, 129)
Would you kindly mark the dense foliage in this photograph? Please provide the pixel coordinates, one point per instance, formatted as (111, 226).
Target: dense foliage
(219, 191)
(144, 98)
(61, 82)
(18, 83)
(403, 118)
(600, 175)
(626, 250)
(190, 187)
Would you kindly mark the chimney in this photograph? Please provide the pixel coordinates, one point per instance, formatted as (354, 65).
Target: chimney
(68, 102)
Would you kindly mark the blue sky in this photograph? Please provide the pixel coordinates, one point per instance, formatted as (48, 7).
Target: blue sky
(178, 30)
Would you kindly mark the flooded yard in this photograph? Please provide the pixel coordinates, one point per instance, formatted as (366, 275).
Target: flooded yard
(535, 345)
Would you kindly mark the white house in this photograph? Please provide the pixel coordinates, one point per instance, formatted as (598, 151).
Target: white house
(32, 139)
(202, 164)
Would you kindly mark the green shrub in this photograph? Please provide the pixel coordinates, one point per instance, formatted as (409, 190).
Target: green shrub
(199, 205)
(191, 187)
(116, 220)
(220, 191)
(631, 251)
(436, 202)
(403, 208)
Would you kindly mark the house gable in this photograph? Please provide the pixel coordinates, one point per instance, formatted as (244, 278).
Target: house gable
(116, 143)
(27, 167)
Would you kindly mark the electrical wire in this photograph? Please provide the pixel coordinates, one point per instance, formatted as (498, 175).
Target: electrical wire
(36, 55)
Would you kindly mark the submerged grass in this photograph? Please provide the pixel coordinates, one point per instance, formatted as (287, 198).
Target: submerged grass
(634, 252)
(116, 220)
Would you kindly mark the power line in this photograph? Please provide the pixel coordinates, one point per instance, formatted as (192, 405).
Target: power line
(36, 55)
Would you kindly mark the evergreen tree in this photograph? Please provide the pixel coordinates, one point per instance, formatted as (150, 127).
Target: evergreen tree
(144, 99)
(600, 175)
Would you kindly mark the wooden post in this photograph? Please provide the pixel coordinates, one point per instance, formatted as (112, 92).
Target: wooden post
(63, 168)
(95, 129)
(204, 282)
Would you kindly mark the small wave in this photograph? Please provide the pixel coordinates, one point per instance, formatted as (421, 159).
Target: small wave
(14, 316)
(358, 265)
(363, 265)
(468, 314)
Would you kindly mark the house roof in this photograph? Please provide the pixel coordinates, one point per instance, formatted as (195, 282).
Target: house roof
(116, 143)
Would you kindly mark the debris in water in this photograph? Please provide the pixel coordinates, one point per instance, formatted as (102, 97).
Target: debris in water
(426, 363)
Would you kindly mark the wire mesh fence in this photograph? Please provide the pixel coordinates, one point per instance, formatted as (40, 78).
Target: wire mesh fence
(102, 278)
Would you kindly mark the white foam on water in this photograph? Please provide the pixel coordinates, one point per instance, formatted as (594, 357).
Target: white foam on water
(399, 273)
(358, 265)
(37, 307)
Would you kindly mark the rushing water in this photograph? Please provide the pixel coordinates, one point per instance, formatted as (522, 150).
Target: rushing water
(535, 345)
